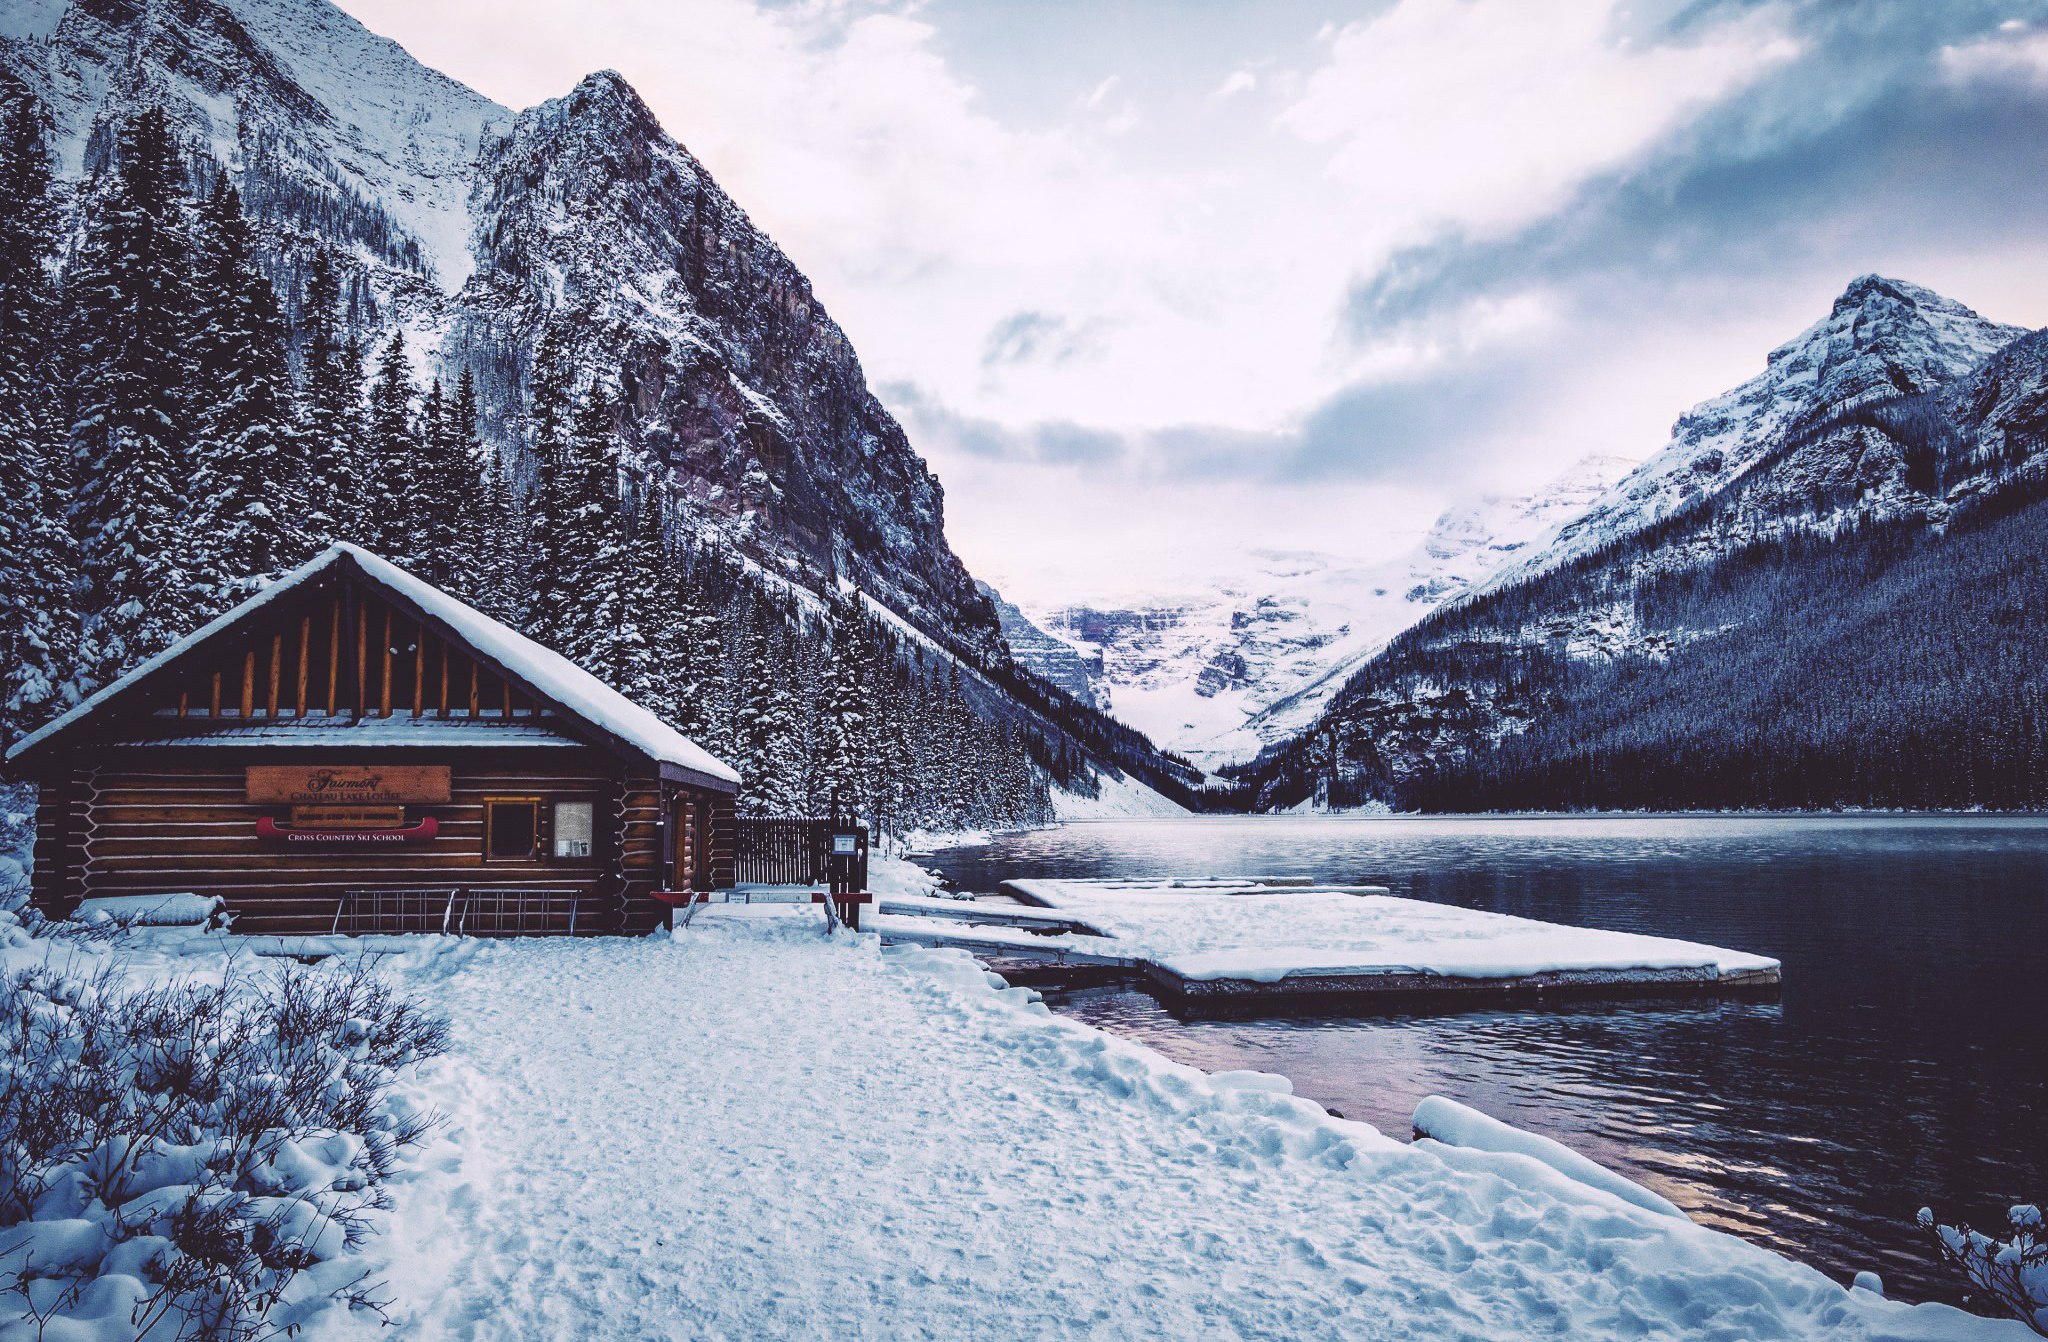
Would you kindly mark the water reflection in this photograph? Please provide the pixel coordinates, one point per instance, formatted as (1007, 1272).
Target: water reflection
(1903, 1062)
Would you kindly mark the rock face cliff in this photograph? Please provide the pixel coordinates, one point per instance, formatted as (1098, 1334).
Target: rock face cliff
(1812, 596)
(471, 226)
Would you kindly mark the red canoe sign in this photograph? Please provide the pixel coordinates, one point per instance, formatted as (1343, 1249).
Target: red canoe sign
(268, 828)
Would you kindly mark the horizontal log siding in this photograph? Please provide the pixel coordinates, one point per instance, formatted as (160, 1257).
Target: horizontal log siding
(146, 829)
(59, 848)
(724, 816)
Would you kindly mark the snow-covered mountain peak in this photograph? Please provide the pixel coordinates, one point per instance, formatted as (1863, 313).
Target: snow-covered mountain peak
(304, 103)
(1882, 339)
(1218, 667)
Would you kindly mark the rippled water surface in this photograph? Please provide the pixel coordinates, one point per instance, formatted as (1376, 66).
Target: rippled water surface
(1904, 1062)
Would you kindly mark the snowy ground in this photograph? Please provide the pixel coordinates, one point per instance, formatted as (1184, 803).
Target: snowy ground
(751, 1131)
(1215, 929)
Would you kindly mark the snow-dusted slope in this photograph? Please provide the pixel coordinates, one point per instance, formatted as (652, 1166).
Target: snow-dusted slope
(1218, 669)
(1883, 339)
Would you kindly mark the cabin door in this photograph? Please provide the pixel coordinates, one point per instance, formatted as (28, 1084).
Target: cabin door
(693, 843)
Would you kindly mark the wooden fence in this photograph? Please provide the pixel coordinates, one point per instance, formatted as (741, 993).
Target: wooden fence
(777, 851)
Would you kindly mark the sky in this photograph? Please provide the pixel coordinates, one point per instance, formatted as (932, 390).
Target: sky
(1156, 283)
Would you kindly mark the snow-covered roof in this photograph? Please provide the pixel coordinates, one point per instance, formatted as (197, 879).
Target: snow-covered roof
(548, 674)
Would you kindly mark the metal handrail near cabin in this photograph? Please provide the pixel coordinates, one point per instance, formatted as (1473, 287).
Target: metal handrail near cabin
(502, 911)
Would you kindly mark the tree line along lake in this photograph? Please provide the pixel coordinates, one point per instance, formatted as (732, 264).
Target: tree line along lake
(1903, 1063)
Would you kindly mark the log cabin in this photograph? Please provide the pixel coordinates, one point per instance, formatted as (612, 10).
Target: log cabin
(354, 750)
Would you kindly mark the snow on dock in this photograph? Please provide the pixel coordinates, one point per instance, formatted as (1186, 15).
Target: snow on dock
(752, 1130)
(986, 913)
(1059, 948)
(1220, 938)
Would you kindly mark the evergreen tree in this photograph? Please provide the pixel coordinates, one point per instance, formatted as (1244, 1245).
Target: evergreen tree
(651, 609)
(842, 716)
(593, 625)
(130, 327)
(478, 518)
(764, 720)
(700, 699)
(248, 479)
(332, 417)
(445, 487)
(550, 389)
(495, 543)
(38, 558)
(393, 525)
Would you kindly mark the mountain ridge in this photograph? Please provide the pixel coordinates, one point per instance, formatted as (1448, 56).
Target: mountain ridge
(1878, 449)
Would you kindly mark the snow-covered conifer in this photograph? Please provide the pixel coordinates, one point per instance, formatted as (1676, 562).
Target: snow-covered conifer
(393, 524)
(332, 413)
(549, 395)
(445, 487)
(594, 625)
(496, 542)
(248, 462)
(38, 557)
(130, 328)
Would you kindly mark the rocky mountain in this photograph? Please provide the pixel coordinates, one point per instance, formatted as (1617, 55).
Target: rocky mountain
(472, 227)
(1811, 596)
(1783, 440)
(1057, 662)
(1225, 666)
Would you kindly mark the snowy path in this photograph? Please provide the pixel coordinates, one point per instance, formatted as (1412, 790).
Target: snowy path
(750, 1132)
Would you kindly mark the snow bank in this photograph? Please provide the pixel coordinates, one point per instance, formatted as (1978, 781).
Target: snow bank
(1454, 1124)
(751, 1130)
(1232, 930)
(177, 910)
(1122, 798)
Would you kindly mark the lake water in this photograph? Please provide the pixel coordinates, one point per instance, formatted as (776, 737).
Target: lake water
(1904, 1063)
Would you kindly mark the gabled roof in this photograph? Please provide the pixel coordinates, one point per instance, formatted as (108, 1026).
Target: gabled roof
(550, 676)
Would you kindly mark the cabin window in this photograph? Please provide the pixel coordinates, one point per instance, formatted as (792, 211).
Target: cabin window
(575, 824)
(511, 829)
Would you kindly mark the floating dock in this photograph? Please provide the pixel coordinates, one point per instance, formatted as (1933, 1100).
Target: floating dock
(1235, 943)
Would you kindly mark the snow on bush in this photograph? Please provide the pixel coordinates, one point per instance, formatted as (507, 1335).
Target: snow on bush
(195, 1160)
(2014, 1271)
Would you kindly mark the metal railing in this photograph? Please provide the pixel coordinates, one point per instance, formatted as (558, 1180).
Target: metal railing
(509, 911)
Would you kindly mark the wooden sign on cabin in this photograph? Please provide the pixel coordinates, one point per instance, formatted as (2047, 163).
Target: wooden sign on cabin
(346, 784)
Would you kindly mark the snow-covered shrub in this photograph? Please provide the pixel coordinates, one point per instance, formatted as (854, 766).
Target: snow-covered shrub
(2013, 1271)
(17, 840)
(194, 1160)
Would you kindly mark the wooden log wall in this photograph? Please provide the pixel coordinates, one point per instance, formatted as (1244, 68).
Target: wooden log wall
(724, 826)
(183, 825)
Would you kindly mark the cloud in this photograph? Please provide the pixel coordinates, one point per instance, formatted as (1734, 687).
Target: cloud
(1482, 115)
(2017, 53)
(945, 431)
(1034, 337)
(1837, 165)
(1234, 83)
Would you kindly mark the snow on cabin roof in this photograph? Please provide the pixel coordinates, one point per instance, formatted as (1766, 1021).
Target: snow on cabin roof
(547, 673)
